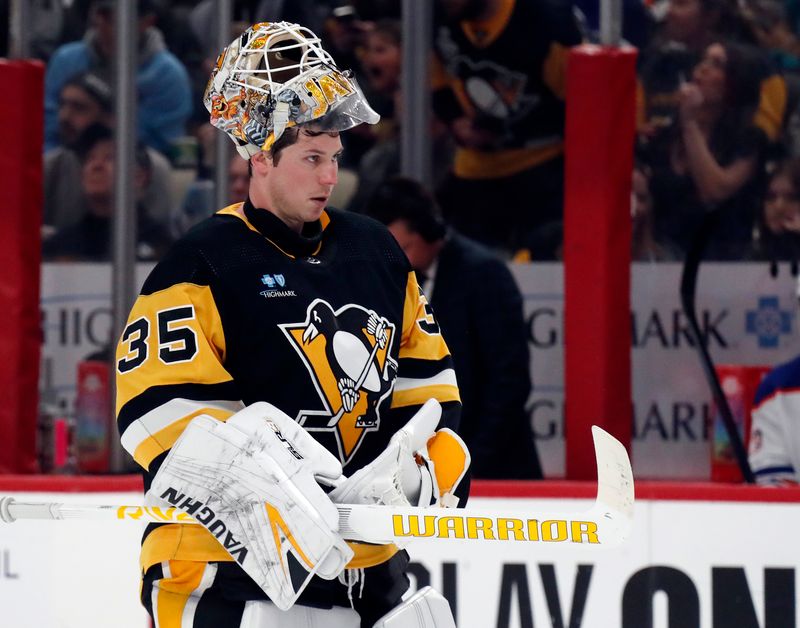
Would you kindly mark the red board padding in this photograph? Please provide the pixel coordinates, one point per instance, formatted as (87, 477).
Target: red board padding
(601, 97)
(548, 489)
(21, 130)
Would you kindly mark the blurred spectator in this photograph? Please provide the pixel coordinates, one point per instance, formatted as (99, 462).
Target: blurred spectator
(776, 236)
(238, 179)
(774, 450)
(644, 245)
(479, 309)
(499, 86)
(89, 239)
(381, 62)
(199, 202)
(343, 32)
(688, 28)
(774, 24)
(345, 35)
(84, 100)
(164, 96)
(710, 157)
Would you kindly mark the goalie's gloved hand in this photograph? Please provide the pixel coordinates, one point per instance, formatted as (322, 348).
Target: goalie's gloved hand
(419, 467)
(252, 482)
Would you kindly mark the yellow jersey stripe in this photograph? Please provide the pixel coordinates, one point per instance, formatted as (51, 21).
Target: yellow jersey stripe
(772, 102)
(368, 555)
(162, 440)
(469, 163)
(421, 346)
(205, 367)
(418, 396)
(195, 543)
(490, 28)
(166, 414)
(418, 339)
(554, 69)
(181, 542)
(170, 603)
(236, 210)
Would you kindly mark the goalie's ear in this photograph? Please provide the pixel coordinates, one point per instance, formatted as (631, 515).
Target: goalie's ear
(450, 457)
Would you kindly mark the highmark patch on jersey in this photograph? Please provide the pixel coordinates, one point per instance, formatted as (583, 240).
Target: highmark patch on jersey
(347, 353)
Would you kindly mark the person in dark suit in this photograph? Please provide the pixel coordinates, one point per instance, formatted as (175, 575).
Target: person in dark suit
(479, 309)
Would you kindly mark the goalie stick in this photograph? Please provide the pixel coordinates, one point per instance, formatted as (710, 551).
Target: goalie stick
(607, 524)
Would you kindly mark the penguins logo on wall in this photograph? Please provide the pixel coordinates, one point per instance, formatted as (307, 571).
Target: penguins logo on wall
(347, 353)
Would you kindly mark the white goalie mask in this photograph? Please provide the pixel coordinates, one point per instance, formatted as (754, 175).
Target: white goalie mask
(274, 76)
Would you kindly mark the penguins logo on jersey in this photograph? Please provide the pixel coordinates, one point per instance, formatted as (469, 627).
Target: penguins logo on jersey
(347, 354)
(492, 88)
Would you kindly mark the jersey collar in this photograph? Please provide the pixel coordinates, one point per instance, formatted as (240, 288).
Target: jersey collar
(289, 241)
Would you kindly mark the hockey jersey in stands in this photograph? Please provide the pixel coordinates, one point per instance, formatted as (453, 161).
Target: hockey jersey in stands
(774, 449)
(329, 325)
(508, 74)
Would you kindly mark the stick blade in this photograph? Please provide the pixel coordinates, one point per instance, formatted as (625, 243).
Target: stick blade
(615, 490)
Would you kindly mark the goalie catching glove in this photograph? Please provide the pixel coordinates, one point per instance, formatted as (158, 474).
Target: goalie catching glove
(252, 482)
(421, 466)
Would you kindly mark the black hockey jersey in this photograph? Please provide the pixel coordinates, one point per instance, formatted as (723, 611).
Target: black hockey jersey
(508, 74)
(243, 309)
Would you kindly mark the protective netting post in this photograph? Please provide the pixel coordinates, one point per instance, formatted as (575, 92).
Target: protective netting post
(600, 127)
(22, 129)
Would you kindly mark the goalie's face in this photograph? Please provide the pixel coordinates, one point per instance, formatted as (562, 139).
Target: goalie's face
(296, 185)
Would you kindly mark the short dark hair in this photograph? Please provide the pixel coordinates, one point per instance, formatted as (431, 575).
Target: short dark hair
(401, 198)
(290, 136)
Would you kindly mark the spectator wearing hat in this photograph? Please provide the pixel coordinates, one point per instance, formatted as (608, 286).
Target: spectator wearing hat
(84, 100)
(162, 83)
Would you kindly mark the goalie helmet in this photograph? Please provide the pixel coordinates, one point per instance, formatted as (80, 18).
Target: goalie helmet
(274, 76)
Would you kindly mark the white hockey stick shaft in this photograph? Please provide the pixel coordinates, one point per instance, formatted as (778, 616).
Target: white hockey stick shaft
(608, 523)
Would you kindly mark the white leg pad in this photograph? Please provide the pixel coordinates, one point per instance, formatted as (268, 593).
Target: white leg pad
(427, 608)
(266, 615)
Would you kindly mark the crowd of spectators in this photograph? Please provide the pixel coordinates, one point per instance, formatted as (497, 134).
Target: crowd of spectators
(718, 117)
(718, 130)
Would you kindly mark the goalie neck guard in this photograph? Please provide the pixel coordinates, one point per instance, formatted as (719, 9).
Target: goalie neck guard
(274, 76)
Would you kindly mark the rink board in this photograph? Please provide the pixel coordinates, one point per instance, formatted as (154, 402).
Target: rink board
(714, 552)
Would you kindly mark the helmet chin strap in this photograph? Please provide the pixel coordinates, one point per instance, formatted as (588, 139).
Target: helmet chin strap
(279, 118)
